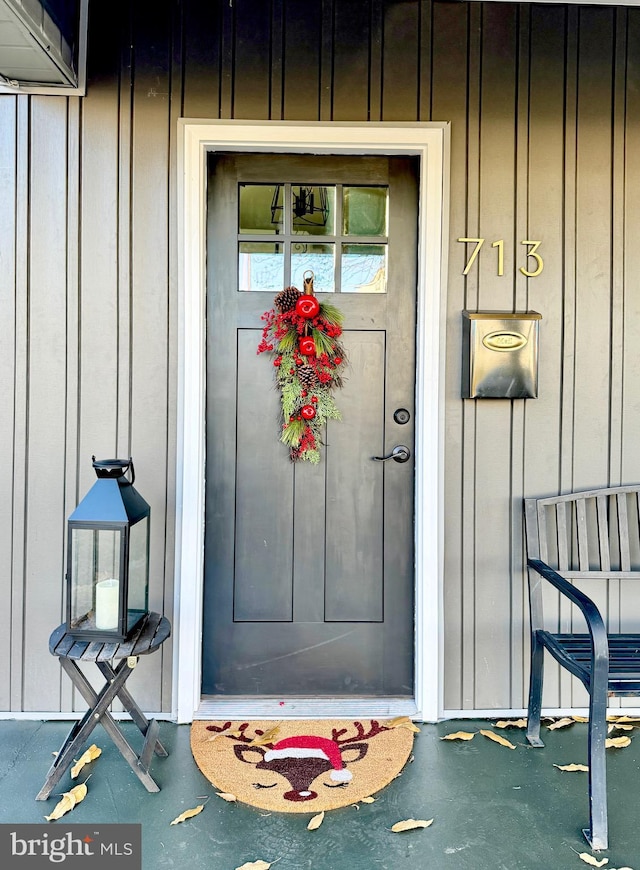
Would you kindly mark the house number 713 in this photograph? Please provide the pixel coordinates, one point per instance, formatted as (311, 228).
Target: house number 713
(499, 244)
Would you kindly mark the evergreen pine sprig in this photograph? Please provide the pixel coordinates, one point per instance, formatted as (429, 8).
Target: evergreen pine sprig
(331, 313)
(305, 406)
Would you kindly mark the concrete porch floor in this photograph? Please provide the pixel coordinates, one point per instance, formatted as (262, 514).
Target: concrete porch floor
(493, 808)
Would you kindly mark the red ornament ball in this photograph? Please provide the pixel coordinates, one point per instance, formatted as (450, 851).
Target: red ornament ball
(337, 360)
(307, 306)
(308, 412)
(307, 345)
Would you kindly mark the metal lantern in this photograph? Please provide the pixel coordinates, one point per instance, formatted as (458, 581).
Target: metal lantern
(108, 556)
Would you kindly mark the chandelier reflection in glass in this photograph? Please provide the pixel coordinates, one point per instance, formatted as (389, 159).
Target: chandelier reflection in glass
(310, 206)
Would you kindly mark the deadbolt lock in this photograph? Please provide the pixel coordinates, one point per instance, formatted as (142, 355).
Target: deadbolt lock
(401, 416)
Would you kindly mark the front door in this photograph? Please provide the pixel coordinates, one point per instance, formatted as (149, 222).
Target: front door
(309, 567)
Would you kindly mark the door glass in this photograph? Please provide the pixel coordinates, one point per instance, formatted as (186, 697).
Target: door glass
(320, 259)
(313, 210)
(365, 211)
(261, 266)
(364, 268)
(260, 207)
(348, 223)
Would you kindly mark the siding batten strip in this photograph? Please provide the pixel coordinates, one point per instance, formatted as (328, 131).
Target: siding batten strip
(471, 301)
(518, 642)
(8, 385)
(46, 407)
(74, 110)
(617, 247)
(21, 401)
(375, 62)
(449, 100)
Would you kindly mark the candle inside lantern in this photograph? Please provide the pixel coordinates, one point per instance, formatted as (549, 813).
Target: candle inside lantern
(107, 593)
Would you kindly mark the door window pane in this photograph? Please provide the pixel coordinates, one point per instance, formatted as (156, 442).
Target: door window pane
(364, 269)
(365, 211)
(260, 207)
(261, 266)
(320, 259)
(313, 209)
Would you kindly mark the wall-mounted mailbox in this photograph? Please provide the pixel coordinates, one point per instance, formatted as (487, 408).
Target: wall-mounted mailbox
(500, 355)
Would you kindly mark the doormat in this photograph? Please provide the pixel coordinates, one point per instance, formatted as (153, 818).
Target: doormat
(302, 766)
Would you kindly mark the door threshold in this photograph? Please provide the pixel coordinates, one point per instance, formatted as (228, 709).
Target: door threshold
(241, 707)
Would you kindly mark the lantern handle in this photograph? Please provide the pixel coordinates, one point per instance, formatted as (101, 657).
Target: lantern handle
(114, 468)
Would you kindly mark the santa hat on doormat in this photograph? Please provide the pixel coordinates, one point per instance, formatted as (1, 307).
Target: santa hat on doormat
(312, 747)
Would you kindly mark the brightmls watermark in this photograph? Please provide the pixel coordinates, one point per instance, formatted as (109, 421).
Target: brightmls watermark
(83, 847)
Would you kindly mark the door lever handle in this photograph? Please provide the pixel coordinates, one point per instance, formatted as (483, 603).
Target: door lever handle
(400, 453)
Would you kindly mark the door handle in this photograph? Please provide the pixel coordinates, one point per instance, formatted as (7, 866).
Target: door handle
(400, 453)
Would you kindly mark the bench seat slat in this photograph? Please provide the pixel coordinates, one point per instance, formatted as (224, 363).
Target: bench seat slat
(574, 651)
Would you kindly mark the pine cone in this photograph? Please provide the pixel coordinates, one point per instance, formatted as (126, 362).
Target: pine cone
(307, 377)
(287, 298)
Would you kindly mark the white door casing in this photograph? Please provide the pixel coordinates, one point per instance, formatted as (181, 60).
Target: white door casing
(430, 142)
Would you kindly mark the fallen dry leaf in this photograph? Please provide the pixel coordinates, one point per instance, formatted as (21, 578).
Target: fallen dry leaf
(187, 814)
(496, 738)
(511, 723)
(89, 755)
(410, 825)
(402, 722)
(226, 796)
(582, 719)
(236, 733)
(256, 865)
(561, 723)
(368, 800)
(617, 742)
(589, 859)
(571, 768)
(268, 737)
(459, 735)
(616, 726)
(635, 719)
(68, 801)
(79, 792)
(316, 821)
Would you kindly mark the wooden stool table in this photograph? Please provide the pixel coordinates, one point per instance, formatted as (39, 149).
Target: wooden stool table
(147, 638)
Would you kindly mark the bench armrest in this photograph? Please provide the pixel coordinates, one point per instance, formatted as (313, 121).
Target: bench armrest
(595, 623)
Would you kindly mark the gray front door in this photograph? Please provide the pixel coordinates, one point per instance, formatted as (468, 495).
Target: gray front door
(309, 568)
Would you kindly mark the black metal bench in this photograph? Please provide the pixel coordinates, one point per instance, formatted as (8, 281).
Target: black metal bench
(589, 535)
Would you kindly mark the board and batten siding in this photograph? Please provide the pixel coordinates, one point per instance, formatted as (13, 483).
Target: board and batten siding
(544, 105)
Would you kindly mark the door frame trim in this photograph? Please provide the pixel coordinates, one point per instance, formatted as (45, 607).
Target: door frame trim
(430, 142)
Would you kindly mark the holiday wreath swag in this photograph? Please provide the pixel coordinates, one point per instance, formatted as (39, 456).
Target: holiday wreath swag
(302, 336)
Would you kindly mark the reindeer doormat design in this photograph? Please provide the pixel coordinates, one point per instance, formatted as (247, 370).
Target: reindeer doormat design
(300, 766)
